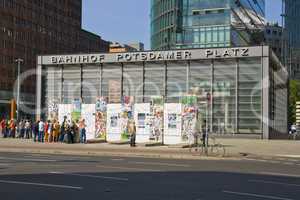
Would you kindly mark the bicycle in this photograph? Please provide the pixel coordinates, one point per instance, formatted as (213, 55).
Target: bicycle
(216, 149)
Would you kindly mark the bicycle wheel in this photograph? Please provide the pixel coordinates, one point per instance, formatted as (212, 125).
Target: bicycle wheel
(218, 150)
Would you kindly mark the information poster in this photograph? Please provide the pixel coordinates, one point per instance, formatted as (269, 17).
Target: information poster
(126, 116)
(53, 110)
(76, 110)
(172, 123)
(189, 118)
(101, 117)
(142, 119)
(64, 110)
(88, 114)
(113, 122)
(157, 121)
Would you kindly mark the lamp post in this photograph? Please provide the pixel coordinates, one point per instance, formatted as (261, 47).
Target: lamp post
(18, 61)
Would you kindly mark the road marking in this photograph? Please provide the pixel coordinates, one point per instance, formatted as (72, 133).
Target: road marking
(41, 184)
(128, 168)
(279, 174)
(255, 195)
(92, 176)
(274, 183)
(290, 156)
(117, 159)
(161, 164)
(27, 159)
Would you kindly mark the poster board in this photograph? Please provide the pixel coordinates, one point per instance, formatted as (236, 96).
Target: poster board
(76, 110)
(172, 123)
(88, 114)
(113, 122)
(157, 119)
(142, 117)
(64, 110)
(53, 110)
(101, 117)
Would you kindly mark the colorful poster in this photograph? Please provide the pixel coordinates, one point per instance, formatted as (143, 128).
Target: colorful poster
(156, 121)
(114, 91)
(172, 121)
(88, 114)
(189, 117)
(126, 116)
(76, 110)
(53, 110)
(101, 117)
(113, 122)
(64, 111)
(142, 119)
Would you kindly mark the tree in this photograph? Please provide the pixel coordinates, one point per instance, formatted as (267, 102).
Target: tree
(293, 98)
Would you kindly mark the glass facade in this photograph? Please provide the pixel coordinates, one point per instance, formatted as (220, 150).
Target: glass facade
(235, 85)
(248, 93)
(292, 22)
(177, 24)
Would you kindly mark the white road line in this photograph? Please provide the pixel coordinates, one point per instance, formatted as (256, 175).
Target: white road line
(274, 183)
(161, 164)
(117, 159)
(27, 159)
(41, 184)
(255, 195)
(92, 176)
(128, 168)
(280, 174)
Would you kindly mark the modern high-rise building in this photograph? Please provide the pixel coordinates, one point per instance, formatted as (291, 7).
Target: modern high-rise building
(292, 25)
(29, 28)
(177, 24)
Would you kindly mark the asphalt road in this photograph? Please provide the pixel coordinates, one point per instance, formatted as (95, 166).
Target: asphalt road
(55, 177)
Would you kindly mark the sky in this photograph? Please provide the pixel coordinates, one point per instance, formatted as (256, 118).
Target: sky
(127, 21)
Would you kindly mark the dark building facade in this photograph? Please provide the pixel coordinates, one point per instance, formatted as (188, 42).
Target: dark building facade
(32, 27)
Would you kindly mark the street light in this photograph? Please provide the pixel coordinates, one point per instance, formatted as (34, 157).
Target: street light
(18, 61)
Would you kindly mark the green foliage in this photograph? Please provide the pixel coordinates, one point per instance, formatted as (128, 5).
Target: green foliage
(293, 98)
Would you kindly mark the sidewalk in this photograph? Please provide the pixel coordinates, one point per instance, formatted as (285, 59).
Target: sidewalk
(235, 148)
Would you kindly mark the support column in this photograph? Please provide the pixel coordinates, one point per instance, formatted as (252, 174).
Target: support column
(165, 81)
(265, 98)
(81, 83)
(188, 71)
(236, 126)
(100, 79)
(143, 82)
(212, 96)
(39, 89)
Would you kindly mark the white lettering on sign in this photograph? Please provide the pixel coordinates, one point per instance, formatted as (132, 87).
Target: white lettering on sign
(227, 53)
(192, 54)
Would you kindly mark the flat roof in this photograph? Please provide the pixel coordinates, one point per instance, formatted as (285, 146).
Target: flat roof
(151, 56)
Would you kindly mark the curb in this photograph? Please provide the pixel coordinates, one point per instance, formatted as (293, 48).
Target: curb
(113, 154)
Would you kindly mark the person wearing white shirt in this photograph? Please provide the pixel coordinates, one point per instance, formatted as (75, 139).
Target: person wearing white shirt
(41, 131)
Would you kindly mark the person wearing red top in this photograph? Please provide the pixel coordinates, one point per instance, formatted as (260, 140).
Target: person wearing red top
(3, 127)
(12, 127)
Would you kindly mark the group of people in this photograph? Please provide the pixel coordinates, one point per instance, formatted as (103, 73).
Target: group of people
(45, 131)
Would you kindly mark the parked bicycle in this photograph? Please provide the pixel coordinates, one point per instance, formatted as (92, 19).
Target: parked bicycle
(214, 148)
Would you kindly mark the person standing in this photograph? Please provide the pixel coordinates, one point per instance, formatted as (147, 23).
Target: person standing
(21, 129)
(3, 127)
(56, 129)
(41, 126)
(82, 131)
(12, 126)
(63, 129)
(46, 135)
(132, 132)
(27, 129)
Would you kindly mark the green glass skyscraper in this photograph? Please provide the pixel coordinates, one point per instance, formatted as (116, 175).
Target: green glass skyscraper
(177, 24)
